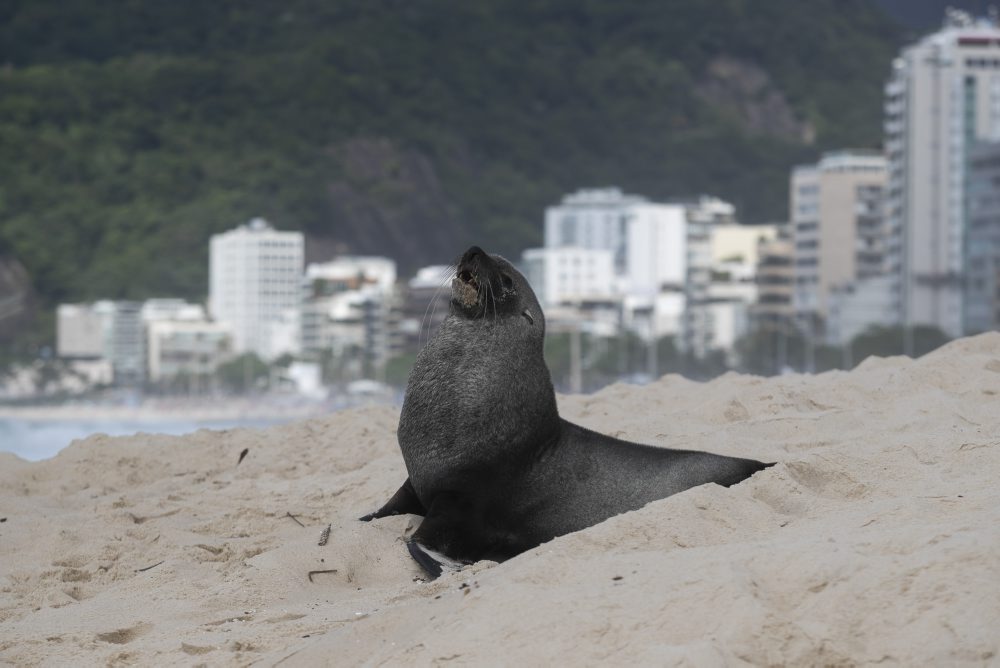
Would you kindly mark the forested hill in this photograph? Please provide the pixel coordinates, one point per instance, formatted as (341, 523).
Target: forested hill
(132, 130)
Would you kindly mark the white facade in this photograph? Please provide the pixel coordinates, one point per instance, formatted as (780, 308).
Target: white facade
(110, 330)
(646, 240)
(730, 321)
(180, 341)
(657, 249)
(356, 272)
(433, 277)
(125, 340)
(592, 219)
(943, 95)
(569, 274)
(660, 256)
(186, 347)
(255, 275)
(154, 310)
(347, 308)
(734, 246)
(80, 331)
(857, 307)
(982, 269)
(702, 216)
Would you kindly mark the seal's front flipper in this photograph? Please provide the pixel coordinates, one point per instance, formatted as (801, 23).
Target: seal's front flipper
(403, 502)
(449, 537)
(432, 561)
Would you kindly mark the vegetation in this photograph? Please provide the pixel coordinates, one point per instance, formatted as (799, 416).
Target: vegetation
(244, 374)
(606, 360)
(771, 352)
(762, 352)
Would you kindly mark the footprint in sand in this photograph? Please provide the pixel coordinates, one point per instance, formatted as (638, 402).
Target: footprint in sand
(126, 635)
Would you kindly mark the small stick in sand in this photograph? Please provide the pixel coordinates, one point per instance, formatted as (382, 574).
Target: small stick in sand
(294, 518)
(242, 455)
(140, 570)
(312, 573)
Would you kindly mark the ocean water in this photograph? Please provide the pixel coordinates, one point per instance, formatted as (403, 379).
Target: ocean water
(41, 439)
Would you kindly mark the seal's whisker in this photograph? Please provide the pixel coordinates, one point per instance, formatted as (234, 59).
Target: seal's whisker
(482, 294)
(493, 298)
(432, 306)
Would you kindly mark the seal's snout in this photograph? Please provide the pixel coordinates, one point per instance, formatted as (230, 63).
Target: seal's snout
(471, 265)
(472, 253)
(467, 277)
(465, 288)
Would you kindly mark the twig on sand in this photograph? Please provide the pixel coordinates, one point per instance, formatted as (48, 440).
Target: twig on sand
(147, 568)
(312, 573)
(294, 518)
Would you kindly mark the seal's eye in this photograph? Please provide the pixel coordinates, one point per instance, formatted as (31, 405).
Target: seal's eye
(508, 284)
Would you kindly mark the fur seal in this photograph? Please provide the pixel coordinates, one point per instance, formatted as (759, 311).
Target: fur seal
(493, 469)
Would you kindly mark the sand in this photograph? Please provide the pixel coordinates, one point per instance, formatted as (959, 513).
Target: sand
(876, 539)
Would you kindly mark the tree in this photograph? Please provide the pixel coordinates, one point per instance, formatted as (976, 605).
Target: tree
(883, 341)
(243, 374)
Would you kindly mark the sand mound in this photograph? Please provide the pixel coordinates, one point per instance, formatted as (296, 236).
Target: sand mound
(875, 539)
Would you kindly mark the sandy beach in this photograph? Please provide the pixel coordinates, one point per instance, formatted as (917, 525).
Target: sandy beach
(876, 539)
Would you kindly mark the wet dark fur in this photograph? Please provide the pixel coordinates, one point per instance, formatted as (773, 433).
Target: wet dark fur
(492, 467)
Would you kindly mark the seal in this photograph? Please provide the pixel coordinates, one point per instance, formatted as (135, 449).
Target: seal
(493, 469)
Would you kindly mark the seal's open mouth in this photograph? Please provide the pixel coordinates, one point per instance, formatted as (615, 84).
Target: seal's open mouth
(465, 288)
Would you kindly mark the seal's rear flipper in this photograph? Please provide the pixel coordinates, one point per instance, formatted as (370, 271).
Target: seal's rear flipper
(403, 502)
(737, 470)
(432, 561)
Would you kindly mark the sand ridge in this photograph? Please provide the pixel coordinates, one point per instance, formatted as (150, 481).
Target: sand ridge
(876, 539)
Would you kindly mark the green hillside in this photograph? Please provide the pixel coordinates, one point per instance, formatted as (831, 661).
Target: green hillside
(130, 131)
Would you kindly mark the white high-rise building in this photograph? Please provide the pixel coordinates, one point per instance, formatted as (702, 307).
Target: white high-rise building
(646, 240)
(943, 96)
(837, 228)
(569, 274)
(659, 257)
(255, 279)
(701, 218)
(982, 271)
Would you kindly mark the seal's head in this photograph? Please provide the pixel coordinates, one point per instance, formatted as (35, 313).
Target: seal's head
(488, 286)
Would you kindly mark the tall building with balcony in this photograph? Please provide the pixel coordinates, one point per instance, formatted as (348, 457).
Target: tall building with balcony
(774, 309)
(182, 344)
(255, 287)
(569, 274)
(660, 258)
(942, 97)
(982, 248)
(837, 229)
(646, 240)
(107, 330)
(348, 309)
(698, 328)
